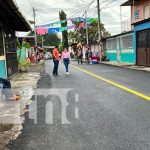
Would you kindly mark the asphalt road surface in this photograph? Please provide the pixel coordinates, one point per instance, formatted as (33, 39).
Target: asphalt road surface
(109, 109)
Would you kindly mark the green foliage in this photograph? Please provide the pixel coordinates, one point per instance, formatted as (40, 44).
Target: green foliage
(51, 40)
(74, 36)
(72, 55)
(80, 35)
(48, 39)
(61, 47)
(62, 16)
(24, 65)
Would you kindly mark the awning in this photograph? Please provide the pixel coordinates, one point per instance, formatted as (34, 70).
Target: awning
(10, 15)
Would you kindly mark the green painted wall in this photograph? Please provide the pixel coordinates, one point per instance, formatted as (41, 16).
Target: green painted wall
(2, 69)
(23, 53)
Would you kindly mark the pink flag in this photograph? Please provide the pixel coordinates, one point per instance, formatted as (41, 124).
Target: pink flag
(41, 31)
(81, 25)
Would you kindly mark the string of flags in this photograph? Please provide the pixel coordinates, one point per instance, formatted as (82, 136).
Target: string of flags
(43, 31)
(89, 20)
(49, 29)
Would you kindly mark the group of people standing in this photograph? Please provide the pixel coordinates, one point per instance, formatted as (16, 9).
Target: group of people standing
(88, 56)
(65, 58)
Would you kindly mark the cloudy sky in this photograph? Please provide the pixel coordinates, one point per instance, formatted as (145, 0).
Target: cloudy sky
(47, 11)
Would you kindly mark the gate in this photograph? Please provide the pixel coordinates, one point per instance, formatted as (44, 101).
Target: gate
(111, 49)
(143, 48)
(127, 51)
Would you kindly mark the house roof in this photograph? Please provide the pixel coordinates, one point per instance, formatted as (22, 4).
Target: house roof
(114, 36)
(10, 15)
(140, 22)
(129, 2)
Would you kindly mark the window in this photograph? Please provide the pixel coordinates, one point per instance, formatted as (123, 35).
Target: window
(146, 12)
(10, 40)
(111, 44)
(127, 41)
(136, 14)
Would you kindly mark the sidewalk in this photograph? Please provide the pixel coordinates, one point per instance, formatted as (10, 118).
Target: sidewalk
(24, 83)
(127, 65)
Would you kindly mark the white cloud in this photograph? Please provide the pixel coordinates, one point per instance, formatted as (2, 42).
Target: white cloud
(48, 11)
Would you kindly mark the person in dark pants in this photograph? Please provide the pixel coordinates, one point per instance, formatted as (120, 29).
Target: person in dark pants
(80, 56)
(56, 59)
(5, 89)
(87, 56)
(66, 59)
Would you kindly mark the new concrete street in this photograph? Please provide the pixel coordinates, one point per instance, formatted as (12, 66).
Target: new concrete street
(112, 112)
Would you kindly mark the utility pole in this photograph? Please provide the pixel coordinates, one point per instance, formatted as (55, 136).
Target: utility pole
(99, 29)
(87, 35)
(121, 17)
(42, 41)
(35, 35)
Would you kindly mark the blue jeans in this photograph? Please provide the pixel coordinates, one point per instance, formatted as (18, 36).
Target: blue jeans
(56, 64)
(66, 63)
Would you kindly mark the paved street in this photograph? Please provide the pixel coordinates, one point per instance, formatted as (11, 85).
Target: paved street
(107, 118)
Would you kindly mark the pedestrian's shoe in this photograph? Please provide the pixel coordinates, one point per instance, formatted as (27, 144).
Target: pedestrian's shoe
(67, 73)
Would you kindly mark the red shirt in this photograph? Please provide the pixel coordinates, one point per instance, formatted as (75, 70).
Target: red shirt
(56, 54)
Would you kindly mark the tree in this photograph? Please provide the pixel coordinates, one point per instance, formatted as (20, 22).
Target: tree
(62, 16)
(51, 40)
(80, 34)
(48, 39)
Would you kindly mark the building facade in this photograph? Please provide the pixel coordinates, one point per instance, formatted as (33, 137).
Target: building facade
(119, 48)
(140, 19)
(11, 20)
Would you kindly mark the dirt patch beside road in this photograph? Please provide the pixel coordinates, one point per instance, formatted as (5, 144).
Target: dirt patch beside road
(24, 84)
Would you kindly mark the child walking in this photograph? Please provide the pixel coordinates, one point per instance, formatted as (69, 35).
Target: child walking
(66, 59)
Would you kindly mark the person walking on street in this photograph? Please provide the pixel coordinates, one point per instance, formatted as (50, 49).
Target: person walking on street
(80, 56)
(90, 56)
(87, 56)
(56, 59)
(65, 58)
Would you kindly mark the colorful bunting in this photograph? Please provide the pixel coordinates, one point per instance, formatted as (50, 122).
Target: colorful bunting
(43, 31)
(89, 20)
(47, 28)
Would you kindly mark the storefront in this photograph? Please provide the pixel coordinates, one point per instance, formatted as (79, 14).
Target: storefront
(142, 42)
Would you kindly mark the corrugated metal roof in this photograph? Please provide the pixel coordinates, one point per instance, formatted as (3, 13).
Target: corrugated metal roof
(11, 15)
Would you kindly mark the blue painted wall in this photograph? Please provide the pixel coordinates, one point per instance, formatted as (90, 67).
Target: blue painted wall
(111, 56)
(2, 69)
(128, 57)
(142, 26)
(128, 54)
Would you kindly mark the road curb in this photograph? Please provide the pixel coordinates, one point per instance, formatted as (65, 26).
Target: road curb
(125, 67)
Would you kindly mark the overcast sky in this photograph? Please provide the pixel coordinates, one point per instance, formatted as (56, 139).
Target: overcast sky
(47, 11)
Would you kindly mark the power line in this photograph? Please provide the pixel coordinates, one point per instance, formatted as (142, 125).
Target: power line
(31, 3)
